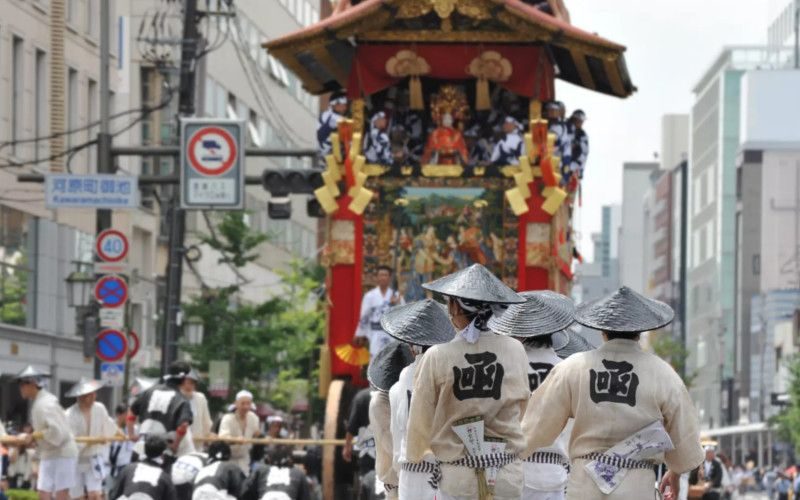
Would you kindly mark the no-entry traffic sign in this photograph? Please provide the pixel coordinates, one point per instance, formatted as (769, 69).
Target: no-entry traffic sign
(212, 164)
(111, 291)
(111, 345)
(111, 246)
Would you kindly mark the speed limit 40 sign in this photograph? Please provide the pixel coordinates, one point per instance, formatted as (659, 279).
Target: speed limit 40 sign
(212, 164)
(111, 247)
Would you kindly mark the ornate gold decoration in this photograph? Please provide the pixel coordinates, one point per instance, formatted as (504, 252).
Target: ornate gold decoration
(437, 36)
(375, 170)
(442, 170)
(491, 65)
(343, 244)
(476, 9)
(537, 244)
(451, 100)
(479, 171)
(407, 63)
(357, 114)
(407, 171)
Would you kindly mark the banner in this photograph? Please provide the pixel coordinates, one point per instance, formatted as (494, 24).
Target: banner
(219, 377)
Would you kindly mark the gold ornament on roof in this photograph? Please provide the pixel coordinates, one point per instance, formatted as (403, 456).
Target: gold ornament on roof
(489, 65)
(407, 63)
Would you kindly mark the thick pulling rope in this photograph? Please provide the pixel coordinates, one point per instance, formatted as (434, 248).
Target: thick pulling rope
(93, 440)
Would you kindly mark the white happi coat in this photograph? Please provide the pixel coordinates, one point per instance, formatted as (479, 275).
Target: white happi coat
(459, 380)
(49, 418)
(99, 425)
(201, 417)
(379, 417)
(541, 477)
(373, 305)
(412, 485)
(230, 426)
(611, 393)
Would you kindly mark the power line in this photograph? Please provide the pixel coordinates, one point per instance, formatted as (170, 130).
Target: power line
(73, 150)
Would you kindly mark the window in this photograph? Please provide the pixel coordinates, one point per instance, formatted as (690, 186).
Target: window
(72, 103)
(92, 115)
(710, 186)
(17, 91)
(253, 127)
(40, 103)
(72, 11)
(703, 245)
(92, 17)
(16, 269)
(231, 107)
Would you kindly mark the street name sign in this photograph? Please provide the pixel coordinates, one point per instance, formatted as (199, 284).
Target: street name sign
(212, 164)
(91, 191)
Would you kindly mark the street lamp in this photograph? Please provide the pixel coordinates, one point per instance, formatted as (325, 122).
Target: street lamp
(79, 289)
(194, 329)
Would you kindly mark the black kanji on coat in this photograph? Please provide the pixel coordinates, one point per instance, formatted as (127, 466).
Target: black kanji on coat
(483, 379)
(617, 384)
(537, 374)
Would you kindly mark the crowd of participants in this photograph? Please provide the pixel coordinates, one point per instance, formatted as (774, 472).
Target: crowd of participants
(163, 446)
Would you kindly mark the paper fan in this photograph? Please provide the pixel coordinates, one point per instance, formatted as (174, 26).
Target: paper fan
(355, 356)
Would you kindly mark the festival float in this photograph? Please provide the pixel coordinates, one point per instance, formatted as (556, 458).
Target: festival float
(447, 148)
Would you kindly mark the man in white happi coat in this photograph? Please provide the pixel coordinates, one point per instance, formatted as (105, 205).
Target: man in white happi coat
(534, 323)
(383, 373)
(89, 418)
(201, 417)
(58, 453)
(376, 302)
(421, 324)
(477, 381)
(611, 393)
(242, 423)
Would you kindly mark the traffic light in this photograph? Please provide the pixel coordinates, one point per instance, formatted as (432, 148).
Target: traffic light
(314, 209)
(279, 208)
(285, 181)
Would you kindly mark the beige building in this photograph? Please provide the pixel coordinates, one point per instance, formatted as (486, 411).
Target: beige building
(46, 91)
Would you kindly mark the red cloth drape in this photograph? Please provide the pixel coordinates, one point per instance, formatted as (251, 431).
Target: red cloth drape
(532, 72)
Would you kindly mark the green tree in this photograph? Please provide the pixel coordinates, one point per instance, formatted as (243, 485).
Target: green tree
(271, 345)
(666, 347)
(788, 420)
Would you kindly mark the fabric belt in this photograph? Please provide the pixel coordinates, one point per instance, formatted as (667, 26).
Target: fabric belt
(497, 460)
(622, 463)
(430, 468)
(549, 457)
(389, 487)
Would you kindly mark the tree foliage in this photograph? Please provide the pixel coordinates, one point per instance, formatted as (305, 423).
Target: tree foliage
(668, 348)
(789, 419)
(271, 346)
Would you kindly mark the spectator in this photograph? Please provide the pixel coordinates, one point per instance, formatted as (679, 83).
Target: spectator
(242, 423)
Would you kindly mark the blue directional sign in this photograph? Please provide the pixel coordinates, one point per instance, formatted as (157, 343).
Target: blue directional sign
(91, 191)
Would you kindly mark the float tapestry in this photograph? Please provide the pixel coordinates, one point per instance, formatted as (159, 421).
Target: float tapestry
(425, 228)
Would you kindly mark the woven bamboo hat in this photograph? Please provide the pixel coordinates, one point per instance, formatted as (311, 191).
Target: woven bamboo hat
(384, 369)
(475, 283)
(424, 322)
(543, 313)
(624, 311)
(83, 387)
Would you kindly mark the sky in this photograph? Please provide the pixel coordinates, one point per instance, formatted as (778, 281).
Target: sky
(670, 44)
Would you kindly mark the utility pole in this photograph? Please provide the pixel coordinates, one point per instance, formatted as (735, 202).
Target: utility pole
(177, 217)
(105, 162)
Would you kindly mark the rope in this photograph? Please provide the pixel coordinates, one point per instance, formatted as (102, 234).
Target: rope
(92, 440)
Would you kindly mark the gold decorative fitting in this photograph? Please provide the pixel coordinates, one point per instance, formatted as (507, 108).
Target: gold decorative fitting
(517, 202)
(479, 171)
(489, 65)
(407, 63)
(375, 170)
(442, 170)
(357, 113)
(407, 171)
